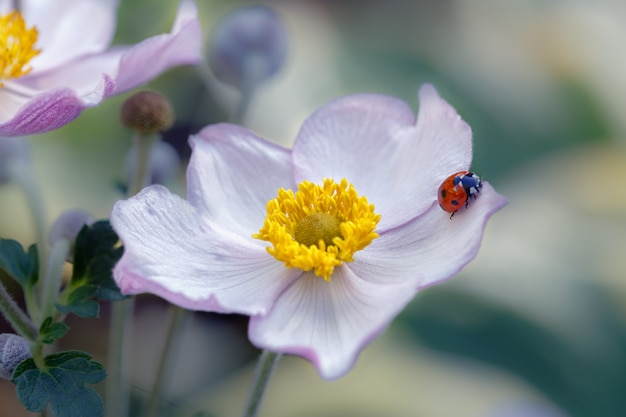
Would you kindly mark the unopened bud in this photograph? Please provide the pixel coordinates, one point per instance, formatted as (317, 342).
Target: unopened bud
(69, 224)
(147, 112)
(13, 350)
(249, 42)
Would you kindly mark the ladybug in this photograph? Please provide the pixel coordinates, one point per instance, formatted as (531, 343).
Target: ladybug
(457, 190)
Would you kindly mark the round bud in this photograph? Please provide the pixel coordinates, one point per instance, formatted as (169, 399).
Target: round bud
(249, 42)
(147, 112)
(69, 224)
(164, 163)
(13, 350)
(13, 150)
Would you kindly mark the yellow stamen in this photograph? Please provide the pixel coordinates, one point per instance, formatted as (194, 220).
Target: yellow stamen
(319, 227)
(17, 46)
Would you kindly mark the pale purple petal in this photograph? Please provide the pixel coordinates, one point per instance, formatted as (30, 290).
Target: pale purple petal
(69, 28)
(430, 248)
(329, 322)
(375, 143)
(171, 251)
(48, 111)
(353, 138)
(233, 174)
(439, 145)
(53, 95)
(83, 75)
(149, 58)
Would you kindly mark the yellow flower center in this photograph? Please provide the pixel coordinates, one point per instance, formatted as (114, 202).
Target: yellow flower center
(319, 226)
(17, 46)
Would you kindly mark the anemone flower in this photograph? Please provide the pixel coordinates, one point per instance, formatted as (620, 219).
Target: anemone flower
(58, 63)
(323, 244)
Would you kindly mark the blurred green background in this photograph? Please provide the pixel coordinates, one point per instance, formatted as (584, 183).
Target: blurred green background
(537, 318)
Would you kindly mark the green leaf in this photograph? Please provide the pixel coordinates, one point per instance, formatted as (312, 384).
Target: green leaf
(20, 265)
(61, 384)
(96, 253)
(49, 331)
(80, 302)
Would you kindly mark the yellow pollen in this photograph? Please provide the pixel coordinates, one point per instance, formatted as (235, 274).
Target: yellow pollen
(17, 46)
(319, 226)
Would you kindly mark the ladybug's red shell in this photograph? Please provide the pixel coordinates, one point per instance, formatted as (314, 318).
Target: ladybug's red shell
(457, 190)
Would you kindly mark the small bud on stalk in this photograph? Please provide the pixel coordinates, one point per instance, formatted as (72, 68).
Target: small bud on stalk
(147, 112)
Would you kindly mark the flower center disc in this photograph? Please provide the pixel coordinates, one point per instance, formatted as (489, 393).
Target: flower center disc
(315, 227)
(17, 46)
(318, 227)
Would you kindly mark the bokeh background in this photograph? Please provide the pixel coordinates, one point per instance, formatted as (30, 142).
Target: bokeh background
(534, 326)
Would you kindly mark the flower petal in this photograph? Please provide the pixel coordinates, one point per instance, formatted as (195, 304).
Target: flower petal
(170, 251)
(147, 59)
(47, 111)
(431, 248)
(233, 174)
(59, 23)
(329, 322)
(352, 137)
(439, 145)
(83, 75)
(375, 143)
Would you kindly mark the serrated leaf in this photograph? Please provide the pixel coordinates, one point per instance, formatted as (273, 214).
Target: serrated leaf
(20, 265)
(61, 384)
(49, 331)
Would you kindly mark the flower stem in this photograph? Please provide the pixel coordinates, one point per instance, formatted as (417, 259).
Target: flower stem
(143, 146)
(52, 281)
(118, 383)
(15, 316)
(265, 368)
(254, 67)
(120, 335)
(176, 317)
(22, 174)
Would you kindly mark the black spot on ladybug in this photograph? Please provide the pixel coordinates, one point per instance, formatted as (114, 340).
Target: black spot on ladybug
(454, 202)
(443, 193)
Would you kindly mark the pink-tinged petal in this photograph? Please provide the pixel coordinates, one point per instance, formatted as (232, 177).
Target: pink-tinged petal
(329, 322)
(352, 137)
(50, 110)
(69, 28)
(83, 75)
(375, 143)
(233, 174)
(430, 248)
(170, 251)
(439, 145)
(147, 59)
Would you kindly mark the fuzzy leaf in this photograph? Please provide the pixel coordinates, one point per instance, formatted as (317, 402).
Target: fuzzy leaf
(49, 331)
(61, 384)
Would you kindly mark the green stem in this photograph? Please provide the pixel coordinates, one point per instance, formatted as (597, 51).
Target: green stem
(176, 316)
(16, 317)
(265, 368)
(54, 272)
(118, 382)
(143, 147)
(117, 402)
(254, 68)
(22, 174)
